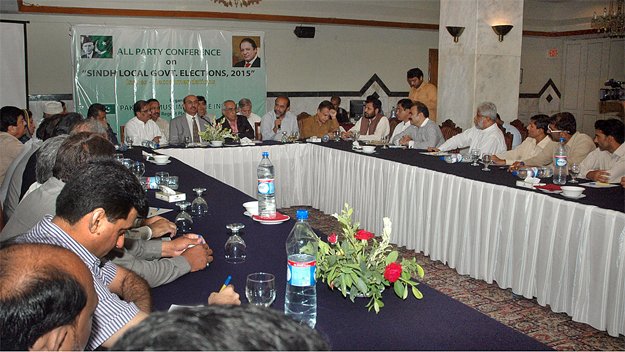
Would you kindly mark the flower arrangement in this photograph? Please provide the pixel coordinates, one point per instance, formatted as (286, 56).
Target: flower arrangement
(216, 132)
(359, 265)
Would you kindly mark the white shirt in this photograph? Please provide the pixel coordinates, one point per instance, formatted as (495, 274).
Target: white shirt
(143, 131)
(599, 159)
(190, 123)
(288, 125)
(401, 127)
(381, 130)
(516, 135)
(253, 119)
(488, 141)
(528, 149)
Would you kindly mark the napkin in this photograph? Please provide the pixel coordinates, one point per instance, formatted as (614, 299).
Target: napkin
(146, 154)
(356, 145)
(550, 187)
(247, 141)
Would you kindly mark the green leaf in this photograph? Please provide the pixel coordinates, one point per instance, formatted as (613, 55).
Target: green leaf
(416, 292)
(398, 288)
(392, 257)
(361, 285)
(405, 292)
(420, 271)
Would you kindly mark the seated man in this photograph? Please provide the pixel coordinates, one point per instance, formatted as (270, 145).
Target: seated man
(12, 128)
(485, 135)
(237, 124)
(341, 115)
(245, 109)
(607, 162)
(516, 135)
(537, 140)
(137, 255)
(98, 112)
(579, 145)
(211, 329)
(155, 114)
(320, 124)
(141, 127)
(186, 128)
(424, 132)
(403, 115)
(373, 126)
(92, 215)
(279, 121)
(47, 299)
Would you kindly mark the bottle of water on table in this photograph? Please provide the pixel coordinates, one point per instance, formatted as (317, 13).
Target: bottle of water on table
(266, 188)
(300, 301)
(560, 164)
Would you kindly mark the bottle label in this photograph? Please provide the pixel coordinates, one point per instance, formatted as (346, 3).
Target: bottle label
(560, 160)
(266, 186)
(301, 274)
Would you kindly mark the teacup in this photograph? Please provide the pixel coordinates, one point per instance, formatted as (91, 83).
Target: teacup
(368, 149)
(572, 191)
(251, 207)
(160, 159)
(217, 143)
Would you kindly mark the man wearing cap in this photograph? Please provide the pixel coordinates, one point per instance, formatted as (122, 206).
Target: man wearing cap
(52, 108)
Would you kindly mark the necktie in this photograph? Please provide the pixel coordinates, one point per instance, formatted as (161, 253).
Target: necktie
(196, 132)
(247, 64)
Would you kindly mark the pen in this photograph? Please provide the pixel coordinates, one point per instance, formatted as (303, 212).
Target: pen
(226, 283)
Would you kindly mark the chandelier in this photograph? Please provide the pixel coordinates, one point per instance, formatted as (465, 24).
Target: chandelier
(612, 22)
(237, 3)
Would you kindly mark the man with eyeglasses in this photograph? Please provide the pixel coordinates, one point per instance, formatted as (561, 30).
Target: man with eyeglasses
(237, 124)
(579, 145)
(141, 127)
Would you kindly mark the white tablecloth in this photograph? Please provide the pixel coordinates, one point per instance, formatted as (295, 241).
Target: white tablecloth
(568, 255)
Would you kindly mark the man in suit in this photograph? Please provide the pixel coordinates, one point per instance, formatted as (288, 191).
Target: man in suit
(249, 52)
(187, 125)
(238, 124)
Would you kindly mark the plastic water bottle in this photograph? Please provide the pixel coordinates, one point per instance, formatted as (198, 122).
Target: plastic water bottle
(266, 188)
(560, 168)
(300, 301)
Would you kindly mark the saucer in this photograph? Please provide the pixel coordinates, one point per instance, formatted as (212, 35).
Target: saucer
(280, 218)
(578, 197)
(373, 152)
(247, 213)
(165, 163)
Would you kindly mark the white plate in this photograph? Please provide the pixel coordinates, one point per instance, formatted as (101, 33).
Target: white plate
(271, 222)
(435, 153)
(154, 162)
(578, 197)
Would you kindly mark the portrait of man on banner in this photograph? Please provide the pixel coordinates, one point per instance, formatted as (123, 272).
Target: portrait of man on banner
(96, 47)
(246, 51)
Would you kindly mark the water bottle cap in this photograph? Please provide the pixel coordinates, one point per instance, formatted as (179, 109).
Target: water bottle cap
(265, 154)
(302, 214)
(561, 139)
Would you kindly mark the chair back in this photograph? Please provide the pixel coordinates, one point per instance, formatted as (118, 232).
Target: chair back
(521, 127)
(257, 134)
(448, 123)
(508, 138)
(449, 131)
(122, 134)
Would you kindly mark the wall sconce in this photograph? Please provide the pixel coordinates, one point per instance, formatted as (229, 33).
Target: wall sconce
(502, 30)
(455, 32)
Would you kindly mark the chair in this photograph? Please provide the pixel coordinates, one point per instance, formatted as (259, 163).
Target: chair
(508, 138)
(257, 134)
(448, 123)
(521, 127)
(122, 135)
(449, 132)
(300, 119)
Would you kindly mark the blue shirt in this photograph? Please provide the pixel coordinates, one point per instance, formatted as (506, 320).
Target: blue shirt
(111, 313)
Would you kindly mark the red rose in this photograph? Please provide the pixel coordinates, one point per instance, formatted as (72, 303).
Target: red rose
(392, 272)
(363, 235)
(333, 238)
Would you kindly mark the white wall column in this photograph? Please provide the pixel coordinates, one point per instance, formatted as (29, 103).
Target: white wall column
(479, 68)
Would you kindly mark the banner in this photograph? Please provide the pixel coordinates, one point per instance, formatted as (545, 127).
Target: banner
(117, 66)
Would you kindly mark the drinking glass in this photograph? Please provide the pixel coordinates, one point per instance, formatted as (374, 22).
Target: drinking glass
(129, 142)
(284, 138)
(127, 163)
(356, 135)
(138, 169)
(199, 207)
(260, 289)
(475, 156)
(163, 178)
(173, 182)
(337, 135)
(118, 157)
(183, 219)
(385, 141)
(187, 141)
(235, 248)
(574, 170)
(486, 160)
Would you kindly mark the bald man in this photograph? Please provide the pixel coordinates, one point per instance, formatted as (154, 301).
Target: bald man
(47, 298)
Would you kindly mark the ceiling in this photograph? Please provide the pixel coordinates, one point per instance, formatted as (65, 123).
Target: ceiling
(539, 15)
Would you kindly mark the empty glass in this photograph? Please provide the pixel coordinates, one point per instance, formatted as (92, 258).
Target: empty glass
(356, 135)
(284, 138)
(260, 289)
(127, 163)
(183, 219)
(187, 141)
(337, 135)
(199, 207)
(163, 178)
(172, 182)
(486, 160)
(138, 169)
(235, 248)
(574, 170)
(129, 142)
(385, 141)
(475, 156)
(118, 157)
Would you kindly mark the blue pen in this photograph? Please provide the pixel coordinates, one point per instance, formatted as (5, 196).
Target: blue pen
(226, 283)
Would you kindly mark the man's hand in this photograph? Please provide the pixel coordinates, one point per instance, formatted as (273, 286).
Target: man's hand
(332, 114)
(346, 135)
(497, 161)
(277, 124)
(198, 257)
(227, 296)
(404, 140)
(599, 176)
(433, 149)
(160, 227)
(176, 247)
(515, 166)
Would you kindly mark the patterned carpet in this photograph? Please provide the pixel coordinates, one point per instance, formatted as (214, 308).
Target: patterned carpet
(556, 330)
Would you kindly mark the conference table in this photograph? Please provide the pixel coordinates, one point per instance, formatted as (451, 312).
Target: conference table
(437, 322)
(569, 254)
